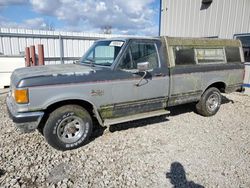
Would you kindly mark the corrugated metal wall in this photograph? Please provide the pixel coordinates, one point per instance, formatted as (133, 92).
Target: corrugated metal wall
(187, 18)
(58, 46)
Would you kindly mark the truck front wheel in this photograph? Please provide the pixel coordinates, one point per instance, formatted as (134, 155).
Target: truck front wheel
(68, 127)
(210, 102)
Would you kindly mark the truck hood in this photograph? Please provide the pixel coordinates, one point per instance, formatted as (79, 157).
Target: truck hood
(49, 74)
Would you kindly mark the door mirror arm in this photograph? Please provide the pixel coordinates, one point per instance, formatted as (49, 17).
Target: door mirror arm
(142, 68)
(142, 78)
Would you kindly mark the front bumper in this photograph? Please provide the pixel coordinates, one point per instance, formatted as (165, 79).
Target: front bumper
(25, 121)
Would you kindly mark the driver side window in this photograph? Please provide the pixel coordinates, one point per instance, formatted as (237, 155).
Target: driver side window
(139, 52)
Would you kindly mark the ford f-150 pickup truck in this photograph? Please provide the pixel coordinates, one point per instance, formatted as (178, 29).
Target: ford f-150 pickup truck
(120, 80)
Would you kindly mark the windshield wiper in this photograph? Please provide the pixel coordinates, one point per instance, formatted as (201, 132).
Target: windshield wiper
(89, 62)
(104, 64)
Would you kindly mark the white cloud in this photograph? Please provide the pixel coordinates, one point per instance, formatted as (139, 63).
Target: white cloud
(133, 15)
(101, 6)
(34, 23)
(4, 22)
(12, 2)
(130, 16)
(45, 6)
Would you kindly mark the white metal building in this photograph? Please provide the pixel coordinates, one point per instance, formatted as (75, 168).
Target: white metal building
(205, 18)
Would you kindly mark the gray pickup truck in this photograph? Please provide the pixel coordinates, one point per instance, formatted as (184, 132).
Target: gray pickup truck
(120, 80)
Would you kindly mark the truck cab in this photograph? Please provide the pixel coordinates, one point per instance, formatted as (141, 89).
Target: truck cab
(123, 79)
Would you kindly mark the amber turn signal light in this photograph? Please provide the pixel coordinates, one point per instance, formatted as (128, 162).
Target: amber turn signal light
(21, 96)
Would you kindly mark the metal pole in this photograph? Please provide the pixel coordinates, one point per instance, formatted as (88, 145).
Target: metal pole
(27, 57)
(40, 55)
(61, 49)
(33, 55)
(160, 14)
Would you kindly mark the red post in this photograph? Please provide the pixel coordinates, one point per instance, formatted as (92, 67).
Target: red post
(27, 57)
(33, 55)
(40, 55)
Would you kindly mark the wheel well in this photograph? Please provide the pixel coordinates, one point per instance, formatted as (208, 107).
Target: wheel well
(86, 105)
(219, 85)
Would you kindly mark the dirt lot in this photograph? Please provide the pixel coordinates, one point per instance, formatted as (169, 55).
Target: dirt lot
(182, 150)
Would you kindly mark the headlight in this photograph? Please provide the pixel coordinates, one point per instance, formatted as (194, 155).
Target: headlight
(21, 96)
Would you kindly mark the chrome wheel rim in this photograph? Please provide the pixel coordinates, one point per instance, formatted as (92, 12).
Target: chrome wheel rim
(71, 129)
(213, 102)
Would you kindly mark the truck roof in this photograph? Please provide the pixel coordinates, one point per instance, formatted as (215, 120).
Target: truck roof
(125, 38)
(184, 41)
(176, 41)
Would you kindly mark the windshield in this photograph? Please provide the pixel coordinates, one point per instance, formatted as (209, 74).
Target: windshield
(102, 53)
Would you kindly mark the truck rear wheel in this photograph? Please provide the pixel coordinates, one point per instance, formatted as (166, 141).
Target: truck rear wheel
(210, 102)
(68, 127)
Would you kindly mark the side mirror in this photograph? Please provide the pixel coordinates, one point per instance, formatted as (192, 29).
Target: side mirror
(142, 67)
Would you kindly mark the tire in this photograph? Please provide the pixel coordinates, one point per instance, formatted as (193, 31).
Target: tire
(68, 127)
(209, 103)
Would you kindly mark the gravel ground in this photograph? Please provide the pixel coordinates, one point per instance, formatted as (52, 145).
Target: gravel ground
(182, 150)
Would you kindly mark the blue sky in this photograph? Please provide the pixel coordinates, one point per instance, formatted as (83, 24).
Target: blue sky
(139, 17)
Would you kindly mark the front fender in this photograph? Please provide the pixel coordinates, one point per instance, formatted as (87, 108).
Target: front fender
(41, 100)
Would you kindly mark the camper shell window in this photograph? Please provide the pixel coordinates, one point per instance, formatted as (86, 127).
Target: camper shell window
(188, 55)
(184, 55)
(233, 54)
(209, 55)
